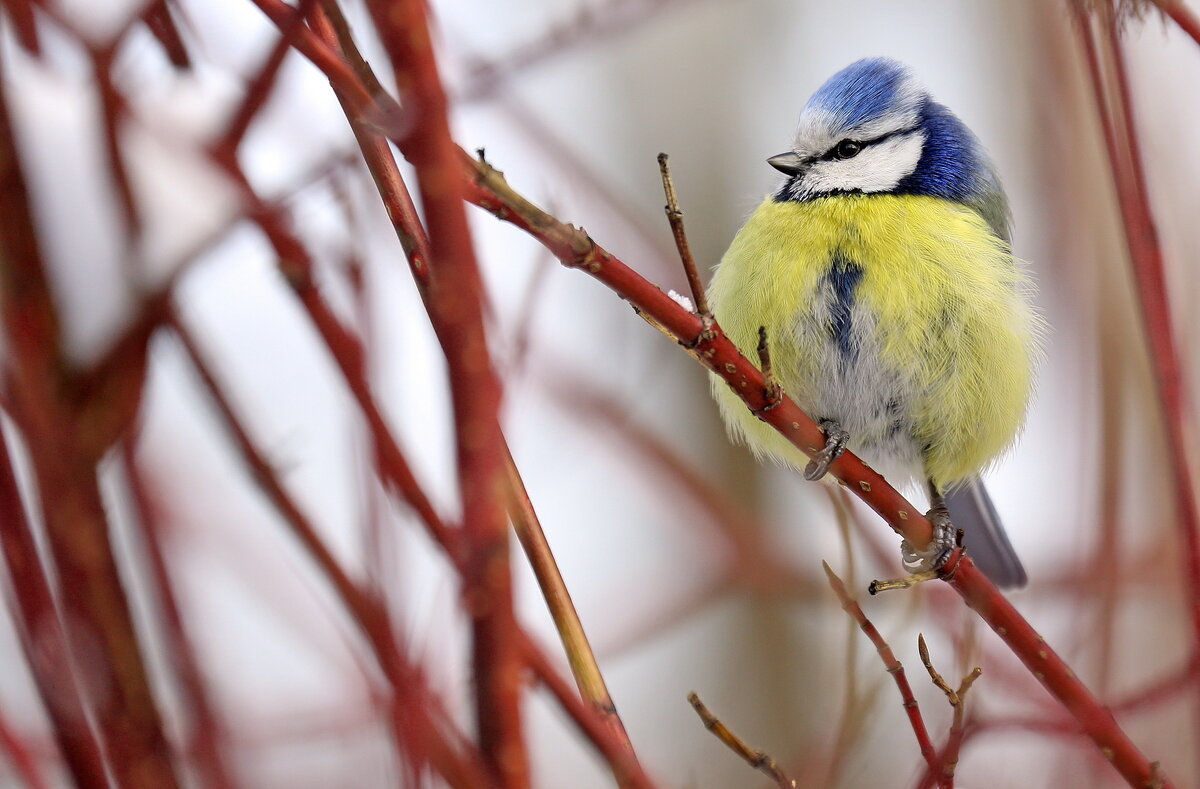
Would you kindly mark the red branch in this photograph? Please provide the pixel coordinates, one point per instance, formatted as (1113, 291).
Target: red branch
(20, 13)
(42, 637)
(456, 310)
(1093, 718)
(331, 26)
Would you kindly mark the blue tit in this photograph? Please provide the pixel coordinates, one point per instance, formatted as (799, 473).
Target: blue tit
(895, 312)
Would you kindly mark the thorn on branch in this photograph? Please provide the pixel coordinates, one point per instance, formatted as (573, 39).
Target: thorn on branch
(755, 758)
(675, 218)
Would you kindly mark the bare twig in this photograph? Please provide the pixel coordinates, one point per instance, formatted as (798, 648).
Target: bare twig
(209, 735)
(755, 758)
(20, 15)
(893, 666)
(957, 699)
(157, 17)
(259, 87)
(675, 217)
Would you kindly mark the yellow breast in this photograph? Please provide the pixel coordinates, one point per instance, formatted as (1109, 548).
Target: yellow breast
(905, 313)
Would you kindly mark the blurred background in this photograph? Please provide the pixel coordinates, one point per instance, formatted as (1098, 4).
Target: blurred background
(692, 566)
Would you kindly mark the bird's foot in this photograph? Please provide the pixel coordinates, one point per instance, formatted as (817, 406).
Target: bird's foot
(924, 565)
(939, 548)
(835, 444)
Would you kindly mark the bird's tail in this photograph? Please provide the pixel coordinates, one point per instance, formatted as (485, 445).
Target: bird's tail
(972, 511)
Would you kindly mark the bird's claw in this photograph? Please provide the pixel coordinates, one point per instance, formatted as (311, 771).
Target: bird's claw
(939, 548)
(835, 444)
(924, 565)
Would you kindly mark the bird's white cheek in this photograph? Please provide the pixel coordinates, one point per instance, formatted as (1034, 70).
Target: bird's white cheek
(879, 168)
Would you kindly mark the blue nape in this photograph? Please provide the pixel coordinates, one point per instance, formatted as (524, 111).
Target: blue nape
(951, 165)
(843, 277)
(861, 92)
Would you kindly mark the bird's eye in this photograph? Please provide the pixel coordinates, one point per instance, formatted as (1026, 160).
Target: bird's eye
(847, 149)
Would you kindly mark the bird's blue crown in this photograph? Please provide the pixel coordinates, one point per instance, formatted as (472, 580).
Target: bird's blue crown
(865, 91)
(910, 143)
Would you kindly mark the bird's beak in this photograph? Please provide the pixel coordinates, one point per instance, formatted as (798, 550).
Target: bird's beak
(789, 163)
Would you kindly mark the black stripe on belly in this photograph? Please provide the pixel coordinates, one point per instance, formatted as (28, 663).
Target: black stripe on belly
(843, 278)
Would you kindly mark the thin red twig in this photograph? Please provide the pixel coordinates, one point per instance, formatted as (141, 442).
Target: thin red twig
(893, 666)
(331, 26)
(947, 758)
(20, 13)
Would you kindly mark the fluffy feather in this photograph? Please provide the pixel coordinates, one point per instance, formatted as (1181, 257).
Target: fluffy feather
(926, 358)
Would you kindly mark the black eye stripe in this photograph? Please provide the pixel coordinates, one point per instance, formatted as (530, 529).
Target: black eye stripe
(832, 152)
